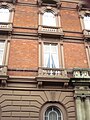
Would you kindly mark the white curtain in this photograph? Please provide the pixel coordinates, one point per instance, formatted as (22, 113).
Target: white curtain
(87, 22)
(54, 56)
(51, 59)
(2, 46)
(4, 15)
(49, 19)
(46, 55)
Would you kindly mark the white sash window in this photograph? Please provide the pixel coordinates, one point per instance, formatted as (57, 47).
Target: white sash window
(51, 59)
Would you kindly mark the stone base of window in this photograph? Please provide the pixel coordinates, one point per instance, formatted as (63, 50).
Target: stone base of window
(7, 27)
(3, 70)
(86, 33)
(47, 30)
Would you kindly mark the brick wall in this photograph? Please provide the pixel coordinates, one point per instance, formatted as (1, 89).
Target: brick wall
(75, 55)
(70, 20)
(21, 95)
(23, 54)
(26, 16)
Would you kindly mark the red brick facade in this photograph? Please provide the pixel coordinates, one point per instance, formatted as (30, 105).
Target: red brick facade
(27, 89)
(24, 53)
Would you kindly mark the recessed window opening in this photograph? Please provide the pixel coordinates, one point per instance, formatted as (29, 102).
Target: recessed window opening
(4, 14)
(49, 19)
(87, 21)
(52, 113)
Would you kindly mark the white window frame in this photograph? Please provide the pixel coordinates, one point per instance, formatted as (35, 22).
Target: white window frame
(60, 52)
(54, 12)
(55, 28)
(10, 7)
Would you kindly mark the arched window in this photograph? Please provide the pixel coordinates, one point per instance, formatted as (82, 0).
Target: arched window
(4, 15)
(87, 21)
(52, 113)
(49, 19)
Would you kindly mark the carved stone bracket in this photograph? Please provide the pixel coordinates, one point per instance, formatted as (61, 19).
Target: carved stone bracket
(79, 6)
(39, 2)
(58, 5)
(3, 80)
(39, 84)
(82, 91)
(66, 84)
(82, 5)
(3, 83)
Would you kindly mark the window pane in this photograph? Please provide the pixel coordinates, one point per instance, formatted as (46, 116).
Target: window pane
(4, 15)
(52, 113)
(54, 55)
(53, 116)
(2, 46)
(46, 118)
(47, 60)
(46, 55)
(49, 19)
(51, 59)
(87, 22)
